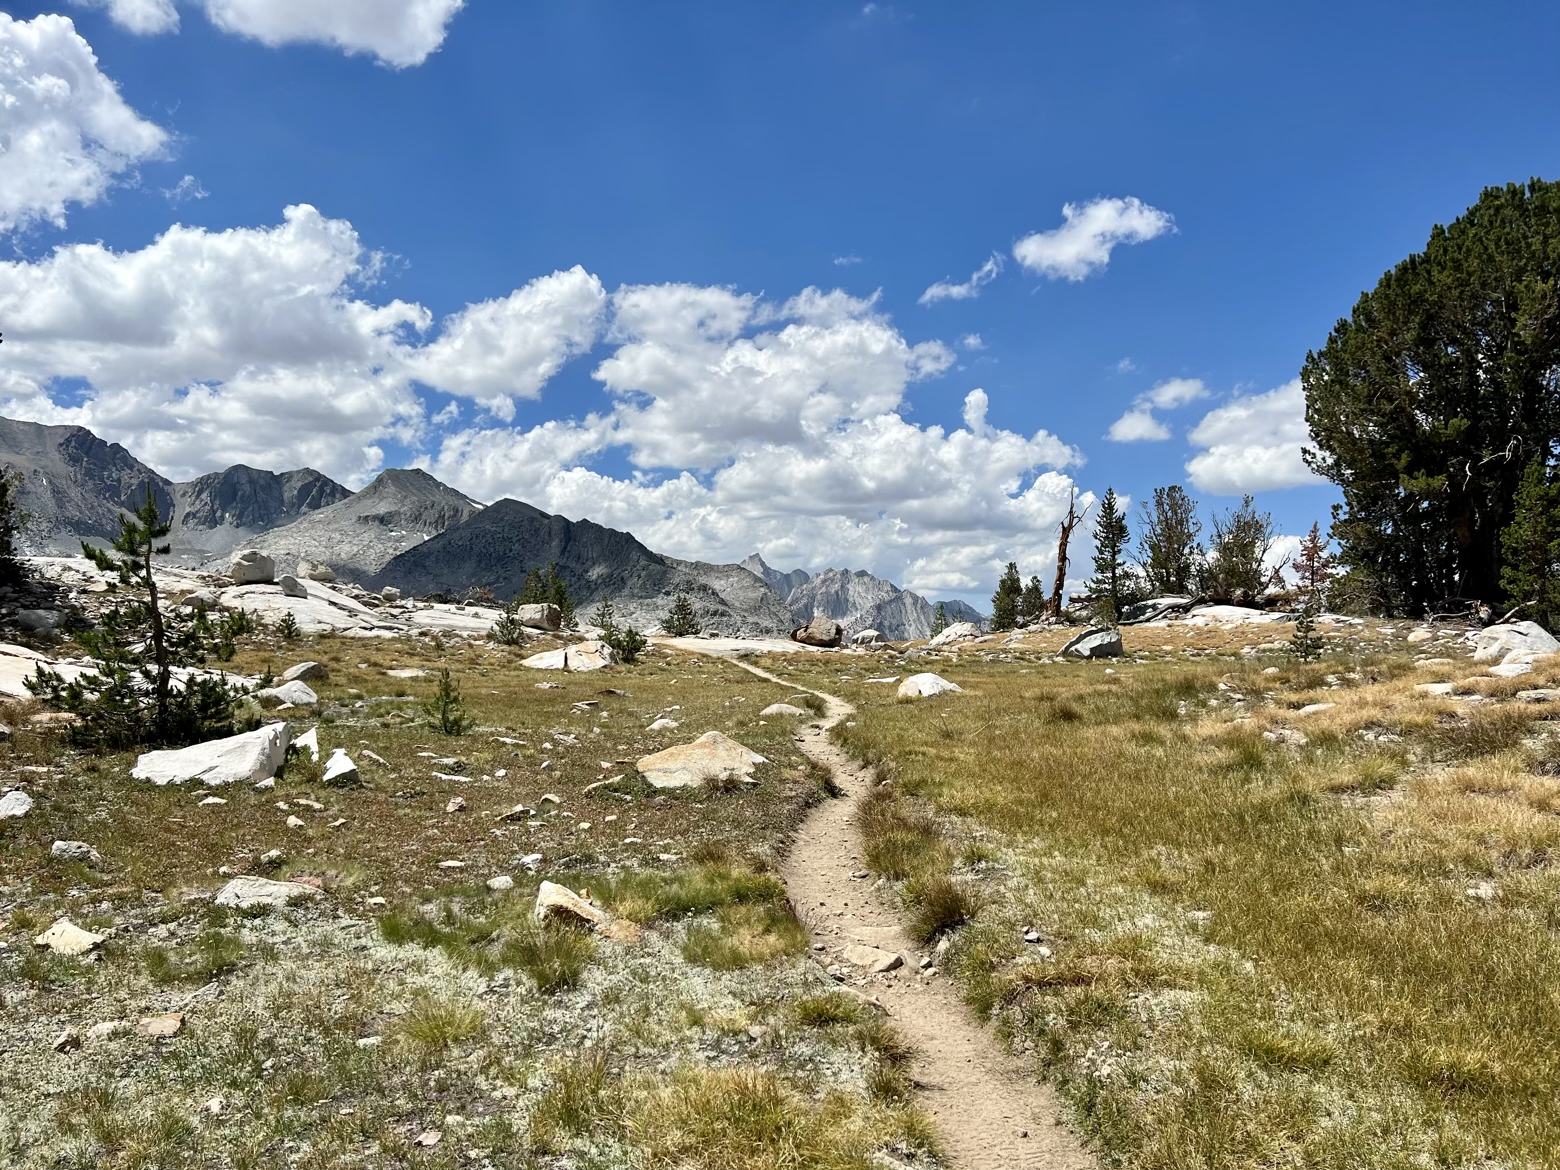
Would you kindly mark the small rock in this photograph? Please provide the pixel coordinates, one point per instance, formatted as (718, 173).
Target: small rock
(340, 771)
(663, 724)
(452, 865)
(1483, 891)
(108, 1029)
(531, 861)
(15, 803)
(163, 1027)
(501, 883)
(66, 938)
(305, 672)
(214, 1107)
(75, 851)
(1434, 688)
(390, 593)
(294, 823)
(778, 709)
(555, 901)
(67, 1041)
(1315, 708)
(456, 804)
(428, 1138)
(213, 800)
(921, 686)
(316, 571)
(291, 586)
(878, 961)
(370, 1041)
(249, 893)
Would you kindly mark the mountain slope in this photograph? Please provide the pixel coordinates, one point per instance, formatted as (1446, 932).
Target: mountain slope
(499, 545)
(781, 583)
(859, 601)
(74, 485)
(226, 509)
(360, 535)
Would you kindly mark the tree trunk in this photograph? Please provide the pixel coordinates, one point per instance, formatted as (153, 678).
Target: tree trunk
(1053, 609)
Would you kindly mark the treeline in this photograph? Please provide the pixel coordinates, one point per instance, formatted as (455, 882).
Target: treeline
(1170, 559)
(1435, 408)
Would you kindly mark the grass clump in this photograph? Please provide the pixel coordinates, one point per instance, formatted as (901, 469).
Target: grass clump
(939, 903)
(432, 1027)
(213, 953)
(553, 956)
(585, 1097)
(748, 1119)
(648, 895)
(744, 934)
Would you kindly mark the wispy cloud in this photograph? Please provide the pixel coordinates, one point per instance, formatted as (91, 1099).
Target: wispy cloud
(186, 188)
(847, 260)
(1089, 232)
(947, 291)
(972, 342)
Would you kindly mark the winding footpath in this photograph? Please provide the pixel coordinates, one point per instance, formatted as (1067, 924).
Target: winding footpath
(990, 1112)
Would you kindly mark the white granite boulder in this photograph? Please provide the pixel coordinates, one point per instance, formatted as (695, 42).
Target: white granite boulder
(291, 586)
(66, 938)
(15, 803)
(957, 632)
(1094, 644)
(305, 672)
(924, 686)
(316, 571)
(251, 893)
(711, 756)
(340, 770)
(1498, 643)
(540, 617)
(784, 709)
(299, 694)
(238, 759)
(250, 566)
(561, 903)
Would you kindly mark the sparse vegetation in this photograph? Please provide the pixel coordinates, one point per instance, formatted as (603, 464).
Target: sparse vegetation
(446, 710)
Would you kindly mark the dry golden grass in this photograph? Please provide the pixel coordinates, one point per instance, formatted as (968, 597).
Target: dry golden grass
(1335, 952)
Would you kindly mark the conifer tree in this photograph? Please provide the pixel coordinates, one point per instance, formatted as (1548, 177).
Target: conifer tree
(1313, 566)
(132, 697)
(1530, 547)
(1168, 549)
(1236, 567)
(1031, 605)
(681, 621)
(1111, 586)
(1008, 598)
(939, 619)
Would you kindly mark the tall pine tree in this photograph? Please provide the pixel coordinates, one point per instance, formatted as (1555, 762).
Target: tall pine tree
(1168, 549)
(1007, 600)
(1111, 586)
(1530, 546)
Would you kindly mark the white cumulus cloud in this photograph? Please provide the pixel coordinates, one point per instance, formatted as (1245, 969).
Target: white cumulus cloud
(1089, 233)
(946, 291)
(258, 345)
(398, 32)
(1140, 424)
(1252, 444)
(66, 135)
(143, 17)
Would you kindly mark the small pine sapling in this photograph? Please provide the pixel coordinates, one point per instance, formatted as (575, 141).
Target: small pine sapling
(1307, 643)
(446, 710)
(287, 627)
(508, 630)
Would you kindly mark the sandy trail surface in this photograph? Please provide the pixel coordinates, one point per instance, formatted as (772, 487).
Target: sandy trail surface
(990, 1112)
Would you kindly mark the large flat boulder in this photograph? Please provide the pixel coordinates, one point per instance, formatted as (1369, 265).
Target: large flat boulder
(238, 759)
(957, 632)
(251, 893)
(710, 757)
(18, 664)
(299, 694)
(924, 686)
(1094, 644)
(592, 655)
(1498, 643)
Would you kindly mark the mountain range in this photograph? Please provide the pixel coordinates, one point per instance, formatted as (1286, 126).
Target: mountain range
(407, 529)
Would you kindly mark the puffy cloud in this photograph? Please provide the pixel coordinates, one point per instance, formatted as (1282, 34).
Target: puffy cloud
(691, 387)
(1253, 444)
(972, 342)
(1090, 231)
(256, 345)
(144, 17)
(1139, 423)
(798, 434)
(65, 133)
(979, 279)
(508, 348)
(398, 32)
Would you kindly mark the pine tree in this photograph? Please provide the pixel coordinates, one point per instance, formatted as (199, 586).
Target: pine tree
(1306, 643)
(132, 697)
(1313, 566)
(547, 588)
(287, 627)
(681, 621)
(11, 520)
(446, 710)
(508, 629)
(1236, 568)
(939, 619)
(1168, 549)
(1031, 604)
(1005, 602)
(1530, 547)
(1111, 585)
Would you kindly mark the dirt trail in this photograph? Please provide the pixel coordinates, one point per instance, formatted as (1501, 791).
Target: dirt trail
(990, 1113)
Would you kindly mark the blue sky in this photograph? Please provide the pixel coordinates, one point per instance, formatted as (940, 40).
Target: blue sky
(688, 171)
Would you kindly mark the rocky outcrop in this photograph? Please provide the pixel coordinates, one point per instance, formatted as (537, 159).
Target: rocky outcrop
(1094, 644)
(859, 601)
(784, 584)
(223, 510)
(74, 486)
(499, 545)
(359, 536)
